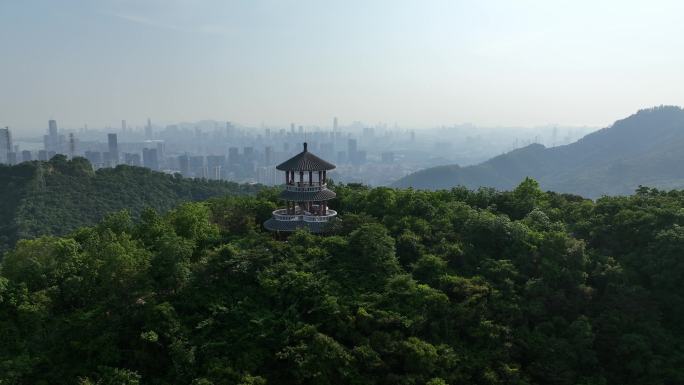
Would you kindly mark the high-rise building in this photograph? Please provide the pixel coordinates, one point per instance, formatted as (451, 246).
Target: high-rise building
(341, 157)
(196, 164)
(352, 148)
(328, 149)
(216, 166)
(5, 144)
(368, 134)
(148, 129)
(26, 156)
(161, 154)
(150, 158)
(268, 156)
(52, 141)
(52, 127)
(248, 153)
(72, 145)
(113, 147)
(95, 158)
(360, 158)
(132, 159)
(184, 165)
(123, 126)
(233, 156)
(268, 176)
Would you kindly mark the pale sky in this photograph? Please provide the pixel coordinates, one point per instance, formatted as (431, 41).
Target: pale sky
(416, 63)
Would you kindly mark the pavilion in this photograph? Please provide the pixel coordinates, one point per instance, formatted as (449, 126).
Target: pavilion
(306, 195)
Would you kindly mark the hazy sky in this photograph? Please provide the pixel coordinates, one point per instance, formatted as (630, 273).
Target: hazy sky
(416, 63)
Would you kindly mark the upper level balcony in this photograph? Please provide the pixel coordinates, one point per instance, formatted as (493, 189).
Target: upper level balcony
(305, 186)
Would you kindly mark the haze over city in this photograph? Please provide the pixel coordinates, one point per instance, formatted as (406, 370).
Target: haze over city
(410, 63)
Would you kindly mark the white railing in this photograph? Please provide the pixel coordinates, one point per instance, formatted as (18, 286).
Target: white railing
(320, 218)
(282, 215)
(304, 187)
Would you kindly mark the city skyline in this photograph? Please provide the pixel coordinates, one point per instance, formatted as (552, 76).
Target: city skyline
(417, 64)
(224, 151)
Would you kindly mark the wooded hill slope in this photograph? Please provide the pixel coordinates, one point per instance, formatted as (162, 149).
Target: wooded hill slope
(646, 149)
(56, 197)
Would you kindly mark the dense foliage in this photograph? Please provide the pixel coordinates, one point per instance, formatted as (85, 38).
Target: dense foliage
(447, 287)
(642, 149)
(56, 197)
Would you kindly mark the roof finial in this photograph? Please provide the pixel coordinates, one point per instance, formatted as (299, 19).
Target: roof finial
(305, 147)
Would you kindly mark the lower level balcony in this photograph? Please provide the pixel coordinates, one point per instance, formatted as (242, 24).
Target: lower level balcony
(287, 222)
(301, 215)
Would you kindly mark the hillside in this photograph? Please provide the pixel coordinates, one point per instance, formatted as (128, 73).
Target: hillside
(55, 197)
(415, 287)
(646, 148)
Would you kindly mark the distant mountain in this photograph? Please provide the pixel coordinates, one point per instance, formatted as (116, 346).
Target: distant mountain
(646, 148)
(55, 197)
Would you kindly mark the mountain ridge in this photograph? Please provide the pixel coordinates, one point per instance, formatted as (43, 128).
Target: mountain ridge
(642, 149)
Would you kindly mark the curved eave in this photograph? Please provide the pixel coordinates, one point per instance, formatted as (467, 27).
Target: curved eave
(309, 196)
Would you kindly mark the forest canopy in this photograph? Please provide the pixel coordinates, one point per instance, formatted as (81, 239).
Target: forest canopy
(412, 287)
(56, 197)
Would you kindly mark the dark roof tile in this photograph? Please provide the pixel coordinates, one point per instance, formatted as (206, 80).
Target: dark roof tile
(305, 161)
(308, 196)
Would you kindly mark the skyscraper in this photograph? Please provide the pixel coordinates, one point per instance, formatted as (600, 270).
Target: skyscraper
(161, 154)
(52, 141)
(113, 147)
(233, 157)
(132, 159)
(184, 164)
(150, 159)
(52, 127)
(351, 150)
(123, 126)
(95, 158)
(72, 145)
(5, 144)
(268, 156)
(148, 129)
(216, 166)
